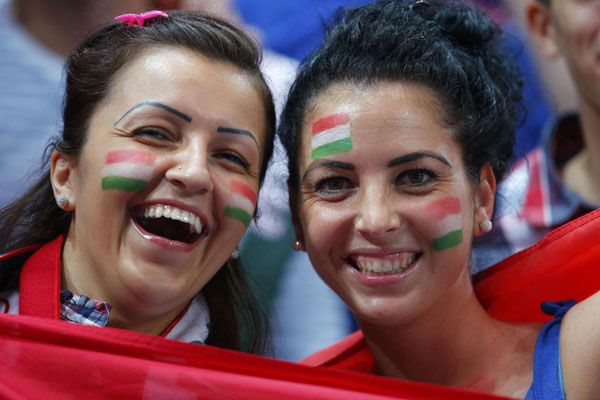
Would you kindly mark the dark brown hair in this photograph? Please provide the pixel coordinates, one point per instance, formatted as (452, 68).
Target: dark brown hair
(35, 218)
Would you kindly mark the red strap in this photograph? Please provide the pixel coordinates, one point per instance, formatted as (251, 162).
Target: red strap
(40, 282)
(176, 320)
(20, 251)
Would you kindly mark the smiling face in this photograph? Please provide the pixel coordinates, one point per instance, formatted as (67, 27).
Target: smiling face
(168, 153)
(388, 218)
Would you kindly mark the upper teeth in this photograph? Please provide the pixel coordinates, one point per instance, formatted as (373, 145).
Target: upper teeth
(387, 265)
(177, 214)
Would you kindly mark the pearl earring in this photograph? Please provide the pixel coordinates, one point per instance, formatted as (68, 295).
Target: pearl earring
(297, 245)
(62, 201)
(235, 254)
(485, 225)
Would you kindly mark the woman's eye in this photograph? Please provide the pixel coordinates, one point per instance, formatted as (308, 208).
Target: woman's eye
(333, 186)
(152, 133)
(235, 158)
(415, 177)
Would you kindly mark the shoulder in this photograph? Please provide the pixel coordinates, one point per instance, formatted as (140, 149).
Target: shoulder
(580, 349)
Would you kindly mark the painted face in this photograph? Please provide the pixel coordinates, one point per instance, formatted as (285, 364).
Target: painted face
(577, 33)
(387, 220)
(174, 148)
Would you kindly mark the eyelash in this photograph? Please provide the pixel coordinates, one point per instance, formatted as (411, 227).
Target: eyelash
(321, 186)
(321, 189)
(152, 133)
(235, 158)
(430, 175)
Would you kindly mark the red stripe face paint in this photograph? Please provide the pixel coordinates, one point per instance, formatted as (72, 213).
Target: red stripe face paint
(446, 223)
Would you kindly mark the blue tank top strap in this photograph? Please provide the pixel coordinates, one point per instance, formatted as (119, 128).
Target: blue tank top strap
(547, 372)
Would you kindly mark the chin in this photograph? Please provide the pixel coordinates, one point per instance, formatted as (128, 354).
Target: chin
(383, 311)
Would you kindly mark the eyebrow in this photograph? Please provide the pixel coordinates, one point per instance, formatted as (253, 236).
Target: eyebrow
(416, 156)
(235, 131)
(328, 163)
(165, 107)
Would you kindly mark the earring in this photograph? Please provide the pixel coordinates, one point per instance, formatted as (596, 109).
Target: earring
(297, 245)
(62, 201)
(235, 254)
(485, 225)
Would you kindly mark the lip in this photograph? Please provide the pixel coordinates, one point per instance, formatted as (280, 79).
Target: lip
(384, 279)
(164, 242)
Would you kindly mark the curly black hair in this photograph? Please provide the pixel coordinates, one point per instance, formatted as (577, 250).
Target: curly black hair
(455, 50)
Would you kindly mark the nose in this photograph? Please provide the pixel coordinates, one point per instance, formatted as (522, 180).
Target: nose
(377, 214)
(190, 169)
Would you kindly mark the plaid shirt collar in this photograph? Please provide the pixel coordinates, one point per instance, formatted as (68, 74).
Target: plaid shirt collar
(83, 310)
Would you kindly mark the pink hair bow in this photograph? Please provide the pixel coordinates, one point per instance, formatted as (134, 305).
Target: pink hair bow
(139, 19)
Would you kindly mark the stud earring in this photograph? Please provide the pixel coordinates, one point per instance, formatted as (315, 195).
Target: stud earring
(62, 201)
(485, 225)
(297, 245)
(235, 254)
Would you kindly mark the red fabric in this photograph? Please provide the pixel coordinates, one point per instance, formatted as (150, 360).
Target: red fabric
(564, 265)
(40, 279)
(350, 354)
(43, 358)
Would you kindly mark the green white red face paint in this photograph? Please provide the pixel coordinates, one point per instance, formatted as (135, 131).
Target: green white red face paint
(446, 223)
(127, 170)
(241, 203)
(331, 135)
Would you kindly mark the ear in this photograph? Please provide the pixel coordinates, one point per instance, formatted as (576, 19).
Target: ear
(62, 176)
(541, 28)
(295, 211)
(484, 196)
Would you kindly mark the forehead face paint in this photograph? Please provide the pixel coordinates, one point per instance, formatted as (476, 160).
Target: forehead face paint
(241, 203)
(127, 170)
(446, 223)
(331, 135)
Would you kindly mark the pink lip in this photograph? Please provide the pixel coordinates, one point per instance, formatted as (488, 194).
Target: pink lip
(383, 280)
(167, 243)
(381, 252)
(178, 204)
(164, 242)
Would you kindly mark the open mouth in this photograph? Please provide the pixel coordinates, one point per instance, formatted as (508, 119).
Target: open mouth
(169, 222)
(387, 265)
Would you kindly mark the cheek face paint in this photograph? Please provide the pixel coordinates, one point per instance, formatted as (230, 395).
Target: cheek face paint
(127, 170)
(446, 223)
(241, 203)
(331, 135)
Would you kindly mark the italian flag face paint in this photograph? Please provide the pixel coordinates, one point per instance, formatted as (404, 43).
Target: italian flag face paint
(446, 223)
(331, 135)
(127, 170)
(242, 202)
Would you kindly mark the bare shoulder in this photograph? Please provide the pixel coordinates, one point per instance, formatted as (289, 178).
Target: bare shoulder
(580, 349)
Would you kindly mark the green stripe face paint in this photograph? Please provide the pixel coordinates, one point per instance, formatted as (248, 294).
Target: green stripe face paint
(331, 135)
(446, 223)
(241, 203)
(127, 170)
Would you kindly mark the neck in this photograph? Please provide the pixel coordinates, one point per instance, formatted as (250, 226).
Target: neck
(137, 312)
(456, 344)
(582, 172)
